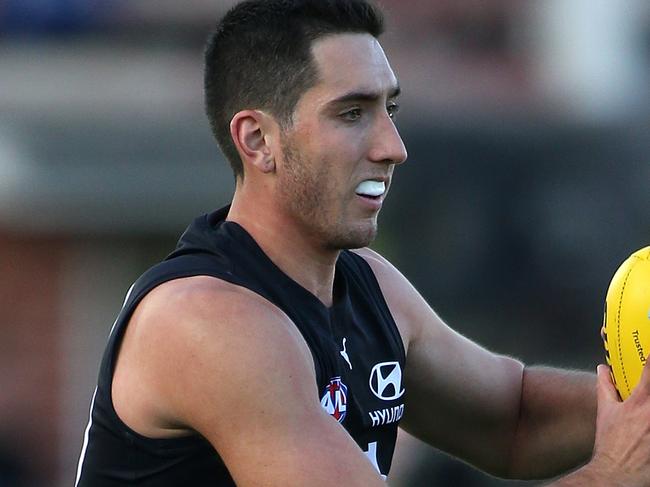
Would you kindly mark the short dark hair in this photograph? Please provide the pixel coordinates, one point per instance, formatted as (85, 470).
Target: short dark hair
(259, 57)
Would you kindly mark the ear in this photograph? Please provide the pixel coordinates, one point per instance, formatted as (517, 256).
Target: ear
(251, 132)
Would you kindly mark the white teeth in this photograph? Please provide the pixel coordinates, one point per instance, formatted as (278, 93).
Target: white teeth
(371, 188)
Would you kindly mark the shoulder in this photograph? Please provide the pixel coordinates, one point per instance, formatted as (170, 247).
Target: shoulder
(210, 313)
(403, 300)
(195, 294)
(376, 261)
(391, 280)
(191, 337)
(196, 302)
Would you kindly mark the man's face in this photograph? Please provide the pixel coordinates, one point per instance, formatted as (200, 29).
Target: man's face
(340, 152)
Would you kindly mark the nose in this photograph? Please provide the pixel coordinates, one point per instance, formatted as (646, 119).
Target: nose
(386, 145)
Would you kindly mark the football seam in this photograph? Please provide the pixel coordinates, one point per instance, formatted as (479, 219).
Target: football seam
(618, 330)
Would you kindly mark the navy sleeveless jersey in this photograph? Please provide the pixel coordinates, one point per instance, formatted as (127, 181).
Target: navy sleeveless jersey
(356, 347)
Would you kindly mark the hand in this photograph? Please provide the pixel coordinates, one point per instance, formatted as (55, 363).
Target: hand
(622, 447)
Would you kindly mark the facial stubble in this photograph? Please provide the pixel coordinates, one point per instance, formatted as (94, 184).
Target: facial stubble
(318, 205)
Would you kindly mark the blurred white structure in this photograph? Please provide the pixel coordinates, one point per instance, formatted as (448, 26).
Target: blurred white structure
(590, 57)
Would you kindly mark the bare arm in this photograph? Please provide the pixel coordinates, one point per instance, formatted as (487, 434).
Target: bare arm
(621, 456)
(222, 361)
(483, 407)
(508, 420)
(557, 421)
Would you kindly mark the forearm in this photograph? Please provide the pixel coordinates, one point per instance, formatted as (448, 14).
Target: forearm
(586, 477)
(556, 423)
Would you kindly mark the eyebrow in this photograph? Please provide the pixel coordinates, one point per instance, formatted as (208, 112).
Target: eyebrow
(368, 96)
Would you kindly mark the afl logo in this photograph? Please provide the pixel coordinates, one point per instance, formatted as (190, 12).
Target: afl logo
(386, 381)
(335, 399)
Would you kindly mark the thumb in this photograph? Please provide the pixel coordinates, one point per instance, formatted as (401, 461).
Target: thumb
(606, 390)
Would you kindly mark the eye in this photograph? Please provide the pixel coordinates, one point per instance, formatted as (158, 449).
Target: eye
(392, 109)
(351, 115)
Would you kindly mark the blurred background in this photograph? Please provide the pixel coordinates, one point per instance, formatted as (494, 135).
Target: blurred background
(527, 185)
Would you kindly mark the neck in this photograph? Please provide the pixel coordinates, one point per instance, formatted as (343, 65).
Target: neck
(299, 255)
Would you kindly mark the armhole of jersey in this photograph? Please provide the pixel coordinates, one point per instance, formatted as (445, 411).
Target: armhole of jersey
(150, 280)
(137, 292)
(370, 280)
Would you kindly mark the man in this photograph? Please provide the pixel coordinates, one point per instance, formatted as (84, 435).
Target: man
(263, 352)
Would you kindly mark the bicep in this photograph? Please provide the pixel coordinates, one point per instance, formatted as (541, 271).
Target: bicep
(460, 397)
(246, 382)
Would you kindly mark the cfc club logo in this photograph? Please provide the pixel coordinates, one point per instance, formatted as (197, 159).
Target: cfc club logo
(335, 399)
(386, 381)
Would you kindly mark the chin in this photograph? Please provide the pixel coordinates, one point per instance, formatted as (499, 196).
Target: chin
(354, 239)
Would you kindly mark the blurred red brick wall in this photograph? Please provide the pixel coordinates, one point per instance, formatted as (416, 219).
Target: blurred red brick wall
(30, 271)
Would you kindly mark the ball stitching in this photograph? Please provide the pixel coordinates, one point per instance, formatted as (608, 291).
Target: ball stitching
(618, 330)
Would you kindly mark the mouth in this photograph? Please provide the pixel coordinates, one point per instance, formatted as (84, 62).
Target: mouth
(371, 193)
(371, 189)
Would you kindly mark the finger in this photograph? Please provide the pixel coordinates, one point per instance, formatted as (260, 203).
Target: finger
(644, 383)
(606, 390)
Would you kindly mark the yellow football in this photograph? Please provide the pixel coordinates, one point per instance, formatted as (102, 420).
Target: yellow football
(626, 328)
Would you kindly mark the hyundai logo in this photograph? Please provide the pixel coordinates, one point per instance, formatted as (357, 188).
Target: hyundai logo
(386, 381)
